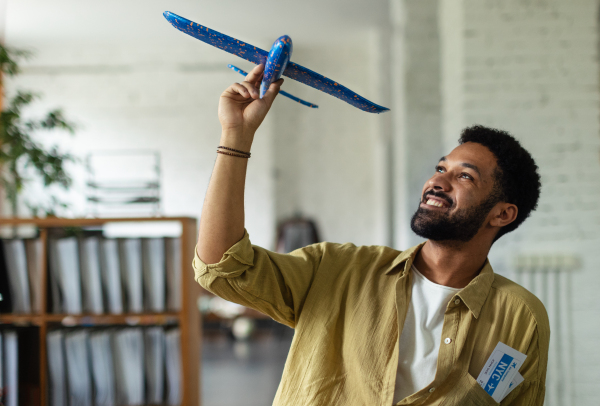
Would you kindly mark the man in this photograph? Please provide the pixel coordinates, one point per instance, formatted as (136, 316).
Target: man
(375, 326)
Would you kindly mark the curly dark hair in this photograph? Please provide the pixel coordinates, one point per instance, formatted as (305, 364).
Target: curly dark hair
(517, 179)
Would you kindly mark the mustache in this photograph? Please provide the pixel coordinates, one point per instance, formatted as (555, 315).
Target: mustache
(440, 195)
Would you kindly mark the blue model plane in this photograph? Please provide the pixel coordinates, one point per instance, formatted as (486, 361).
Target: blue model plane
(277, 62)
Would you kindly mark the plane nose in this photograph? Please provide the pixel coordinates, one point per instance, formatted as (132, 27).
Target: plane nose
(166, 14)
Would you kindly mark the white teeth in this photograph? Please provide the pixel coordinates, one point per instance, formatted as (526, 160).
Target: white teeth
(432, 202)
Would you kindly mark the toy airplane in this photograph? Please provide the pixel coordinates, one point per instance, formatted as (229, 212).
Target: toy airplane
(277, 62)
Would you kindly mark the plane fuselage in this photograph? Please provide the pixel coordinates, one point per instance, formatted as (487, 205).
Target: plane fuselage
(278, 58)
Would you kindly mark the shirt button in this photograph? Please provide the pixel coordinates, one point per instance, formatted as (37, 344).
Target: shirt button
(457, 301)
(448, 340)
(431, 390)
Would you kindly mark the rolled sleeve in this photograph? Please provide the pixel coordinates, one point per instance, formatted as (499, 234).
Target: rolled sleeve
(234, 262)
(272, 283)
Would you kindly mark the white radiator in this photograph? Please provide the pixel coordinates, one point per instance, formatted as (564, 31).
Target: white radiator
(549, 278)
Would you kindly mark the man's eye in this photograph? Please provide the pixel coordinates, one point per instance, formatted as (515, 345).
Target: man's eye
(466, 176)
(439, 169)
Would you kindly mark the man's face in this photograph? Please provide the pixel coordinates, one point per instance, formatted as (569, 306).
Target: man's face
(457, 199)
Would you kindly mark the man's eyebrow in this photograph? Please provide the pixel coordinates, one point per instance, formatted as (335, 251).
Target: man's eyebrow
(471, 166)
(464, 164)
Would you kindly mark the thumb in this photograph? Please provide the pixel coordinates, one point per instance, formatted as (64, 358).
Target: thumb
(272, 92)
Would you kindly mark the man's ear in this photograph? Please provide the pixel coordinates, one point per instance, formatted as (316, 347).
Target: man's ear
(506, 213)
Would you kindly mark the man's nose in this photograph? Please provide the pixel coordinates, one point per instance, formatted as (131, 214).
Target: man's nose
(440, 183)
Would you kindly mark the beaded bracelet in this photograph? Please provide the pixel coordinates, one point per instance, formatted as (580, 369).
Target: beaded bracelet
(235, 150)
(230, 154)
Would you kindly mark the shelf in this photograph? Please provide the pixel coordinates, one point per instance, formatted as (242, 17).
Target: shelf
(120, 186)
(136, 200)
(21, 319)
(188, 319)
(133, 319)
(66, 222)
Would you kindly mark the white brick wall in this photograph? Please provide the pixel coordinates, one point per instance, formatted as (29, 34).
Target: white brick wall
(531, 67)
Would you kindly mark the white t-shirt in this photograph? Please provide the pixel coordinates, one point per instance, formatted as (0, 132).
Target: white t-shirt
(421, 335)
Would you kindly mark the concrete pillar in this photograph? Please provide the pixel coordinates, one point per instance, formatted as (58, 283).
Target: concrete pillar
(416, 100)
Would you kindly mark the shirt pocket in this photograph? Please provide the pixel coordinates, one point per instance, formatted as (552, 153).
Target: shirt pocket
(468, 393)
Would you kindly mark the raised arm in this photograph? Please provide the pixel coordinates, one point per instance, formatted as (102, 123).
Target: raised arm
(241, 112)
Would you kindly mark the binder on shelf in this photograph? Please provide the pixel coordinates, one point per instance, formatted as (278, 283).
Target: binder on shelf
(130, 254)
(34, 250)
(57, 382)
(173, 270)
(89, 256)
(128, 359)
(111, 278)
(1, 371)
(16, 266)
(153, 263)
(55, 293)
(102, 368)
(64, 270)
(78, 369)
(11, 368)
(5, 296)
(154, 347)
(173, 366)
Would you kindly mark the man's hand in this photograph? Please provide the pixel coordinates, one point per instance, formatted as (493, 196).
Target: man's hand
(241, 111)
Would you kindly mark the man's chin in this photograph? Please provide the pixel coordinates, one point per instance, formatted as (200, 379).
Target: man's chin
(423, 225)
(425, 215)
(436, 229)
(430, 224)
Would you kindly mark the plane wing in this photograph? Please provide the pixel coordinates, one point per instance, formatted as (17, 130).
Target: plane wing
(258, 56)
(216, 39)
(320, 82)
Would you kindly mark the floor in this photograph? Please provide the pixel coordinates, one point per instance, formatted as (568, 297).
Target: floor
(247, 372)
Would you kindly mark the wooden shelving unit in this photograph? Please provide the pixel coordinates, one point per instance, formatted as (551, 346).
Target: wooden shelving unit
(188, 318)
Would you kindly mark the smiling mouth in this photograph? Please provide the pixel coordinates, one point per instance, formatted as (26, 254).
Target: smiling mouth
(435, 203)
(431, 200)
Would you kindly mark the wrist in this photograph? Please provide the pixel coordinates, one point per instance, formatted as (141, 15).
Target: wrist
(236, 138)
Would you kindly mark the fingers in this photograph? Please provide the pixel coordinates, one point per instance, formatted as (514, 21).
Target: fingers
(272, 91)
(252, 89)
(239, 89)
(244, 89)
(255, 74)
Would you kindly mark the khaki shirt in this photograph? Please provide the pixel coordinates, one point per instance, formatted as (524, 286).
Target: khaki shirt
(348, 305)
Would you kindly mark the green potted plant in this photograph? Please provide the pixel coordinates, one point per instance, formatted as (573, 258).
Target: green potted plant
(22, 158)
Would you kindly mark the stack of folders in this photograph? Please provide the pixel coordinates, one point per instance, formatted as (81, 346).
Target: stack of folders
(92, 275)
(116, 366)
(9, 368)
(21, 268)
(127, 275)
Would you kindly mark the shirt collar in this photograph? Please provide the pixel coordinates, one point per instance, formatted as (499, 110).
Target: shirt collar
(407, 256)
(473, 295)
(477, 291)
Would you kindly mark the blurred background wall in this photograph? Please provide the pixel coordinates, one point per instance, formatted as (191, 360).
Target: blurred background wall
(531, 67)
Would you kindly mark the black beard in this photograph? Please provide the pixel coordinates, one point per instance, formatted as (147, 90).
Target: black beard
(460, 226)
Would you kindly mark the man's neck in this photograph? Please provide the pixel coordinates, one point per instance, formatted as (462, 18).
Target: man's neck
(450, 263)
